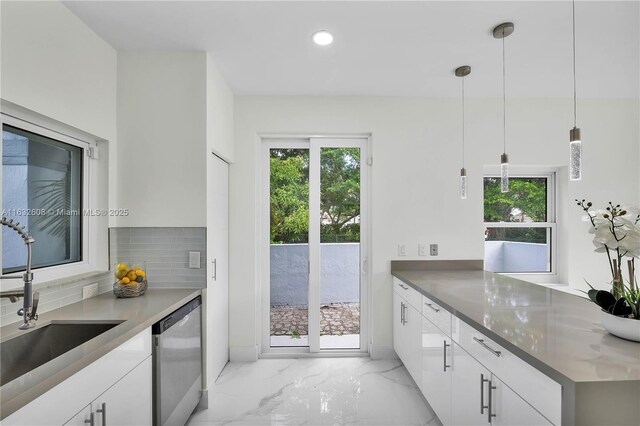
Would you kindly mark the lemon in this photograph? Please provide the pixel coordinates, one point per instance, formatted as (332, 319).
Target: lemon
(121, 266)
(125, 280)
(140, 272)
(121, 274)
(131, 275)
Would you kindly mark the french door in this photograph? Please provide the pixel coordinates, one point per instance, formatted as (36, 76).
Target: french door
(315, 243)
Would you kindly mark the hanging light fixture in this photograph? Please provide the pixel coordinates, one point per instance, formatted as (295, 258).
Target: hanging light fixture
(575, 141)
(463, 71)
(503, 31)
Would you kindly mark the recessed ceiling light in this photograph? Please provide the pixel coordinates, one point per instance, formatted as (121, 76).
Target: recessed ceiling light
(323, 38)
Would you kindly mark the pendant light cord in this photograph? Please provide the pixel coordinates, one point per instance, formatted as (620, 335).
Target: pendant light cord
(573, 12)
(504, 100)
(462, 122)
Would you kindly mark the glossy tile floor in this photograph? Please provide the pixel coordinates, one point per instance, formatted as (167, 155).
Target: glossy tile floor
(318, 391)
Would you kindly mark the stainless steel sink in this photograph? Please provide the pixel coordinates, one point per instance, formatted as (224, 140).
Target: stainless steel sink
(30, 350)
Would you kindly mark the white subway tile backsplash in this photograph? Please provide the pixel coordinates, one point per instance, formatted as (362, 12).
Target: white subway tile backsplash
(165, 252)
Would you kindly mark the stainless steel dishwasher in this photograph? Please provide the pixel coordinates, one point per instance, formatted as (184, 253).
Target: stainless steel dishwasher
(177, 365)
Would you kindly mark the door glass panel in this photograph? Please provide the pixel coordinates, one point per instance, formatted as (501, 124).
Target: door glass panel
(289, 246)
(339, 248)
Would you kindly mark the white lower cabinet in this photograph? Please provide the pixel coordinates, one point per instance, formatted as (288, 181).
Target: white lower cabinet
(407, 325)
(128, 402)
(462, 384)
(468, 389)
(121, 379)
(436, 370)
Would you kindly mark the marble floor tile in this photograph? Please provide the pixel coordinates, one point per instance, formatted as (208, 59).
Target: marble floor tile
(318, 391)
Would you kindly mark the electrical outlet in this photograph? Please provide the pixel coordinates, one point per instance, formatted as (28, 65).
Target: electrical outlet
(402, 250)
(90, 290)
(194, 259)
(422, 249)
(434, 249)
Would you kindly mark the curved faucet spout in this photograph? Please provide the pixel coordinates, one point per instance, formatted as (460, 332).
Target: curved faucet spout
(28, 307)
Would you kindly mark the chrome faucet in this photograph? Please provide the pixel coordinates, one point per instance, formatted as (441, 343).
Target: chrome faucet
(30, 299)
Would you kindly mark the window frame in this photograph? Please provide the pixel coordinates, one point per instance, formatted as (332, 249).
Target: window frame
(88, 194)
(550, 223)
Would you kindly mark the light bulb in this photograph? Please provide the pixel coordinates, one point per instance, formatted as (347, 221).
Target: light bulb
(504, 173)
(575, 154)
(463, 184)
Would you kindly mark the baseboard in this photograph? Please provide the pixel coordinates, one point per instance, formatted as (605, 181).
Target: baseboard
(243, 353)
(382, 352)
(203, 404)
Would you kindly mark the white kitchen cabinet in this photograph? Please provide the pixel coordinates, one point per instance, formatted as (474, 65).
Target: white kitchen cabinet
(436, 369)
(127, 402)
(407, 330)
(216, 296)
(469, 383)
(64, 402)
(508, 409)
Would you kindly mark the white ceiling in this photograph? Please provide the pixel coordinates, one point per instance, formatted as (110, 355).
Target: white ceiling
(389, 48)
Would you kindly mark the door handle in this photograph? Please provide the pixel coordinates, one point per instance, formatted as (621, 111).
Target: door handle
(489, 413)
(403, 286)
(482, 381)
(404, 309)
(401, 313)
(103, 410)
(365, 265)
(215, 270)
(91, 420)
(444, 362)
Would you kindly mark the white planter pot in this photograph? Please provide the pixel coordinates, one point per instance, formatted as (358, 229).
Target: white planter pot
(622, 327)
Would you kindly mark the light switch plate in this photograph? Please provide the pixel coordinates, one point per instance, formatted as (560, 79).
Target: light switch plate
(422, 249)
(194, 260)
(434, 249)
(402, 250)
(90, 290)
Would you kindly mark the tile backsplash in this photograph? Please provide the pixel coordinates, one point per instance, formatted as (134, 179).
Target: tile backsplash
(165, 252)
(56, 294)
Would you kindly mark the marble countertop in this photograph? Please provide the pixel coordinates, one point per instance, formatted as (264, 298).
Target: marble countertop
(136, 313)
(557, 333)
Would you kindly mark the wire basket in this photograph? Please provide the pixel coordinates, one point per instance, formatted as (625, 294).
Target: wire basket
(131, 279)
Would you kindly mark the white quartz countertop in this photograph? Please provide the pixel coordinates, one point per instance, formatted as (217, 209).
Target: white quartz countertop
(136, 313)
(558, 333)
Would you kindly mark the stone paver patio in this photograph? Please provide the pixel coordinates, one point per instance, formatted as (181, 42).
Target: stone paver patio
(335, 319)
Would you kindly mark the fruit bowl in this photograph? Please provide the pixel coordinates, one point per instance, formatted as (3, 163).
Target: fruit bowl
(131, 279)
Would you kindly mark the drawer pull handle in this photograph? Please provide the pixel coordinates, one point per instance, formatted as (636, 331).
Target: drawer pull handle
(403, 286)
(404, 315)
(482, 382)
(493, 351)
(444, 362)
(431, 306)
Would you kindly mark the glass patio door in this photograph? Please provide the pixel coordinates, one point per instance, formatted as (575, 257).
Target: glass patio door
(315, 259)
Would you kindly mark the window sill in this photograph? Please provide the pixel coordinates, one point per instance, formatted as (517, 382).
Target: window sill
(38, 284)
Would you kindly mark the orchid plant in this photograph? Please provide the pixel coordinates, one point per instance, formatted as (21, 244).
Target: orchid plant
(616, 232)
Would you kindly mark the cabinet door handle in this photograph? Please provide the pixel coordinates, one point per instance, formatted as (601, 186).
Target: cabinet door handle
(404, 309)
(484, 345)
(103, 410)
(444, 362)
(91, 420)
(482, 381)
(215, 269)
(401, 313)
(490, 415)
(403, 286)
(431, 306)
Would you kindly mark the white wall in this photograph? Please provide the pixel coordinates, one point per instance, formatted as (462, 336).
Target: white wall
(219, 113)
(55, 71)
(162, 135)
(416, 152)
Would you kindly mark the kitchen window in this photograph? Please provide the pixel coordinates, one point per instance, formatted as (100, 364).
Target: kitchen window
(520, 229)
(44, 176)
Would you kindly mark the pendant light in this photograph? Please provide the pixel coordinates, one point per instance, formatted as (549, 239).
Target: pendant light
(575, 141)
(463, 71)
(503, 31)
